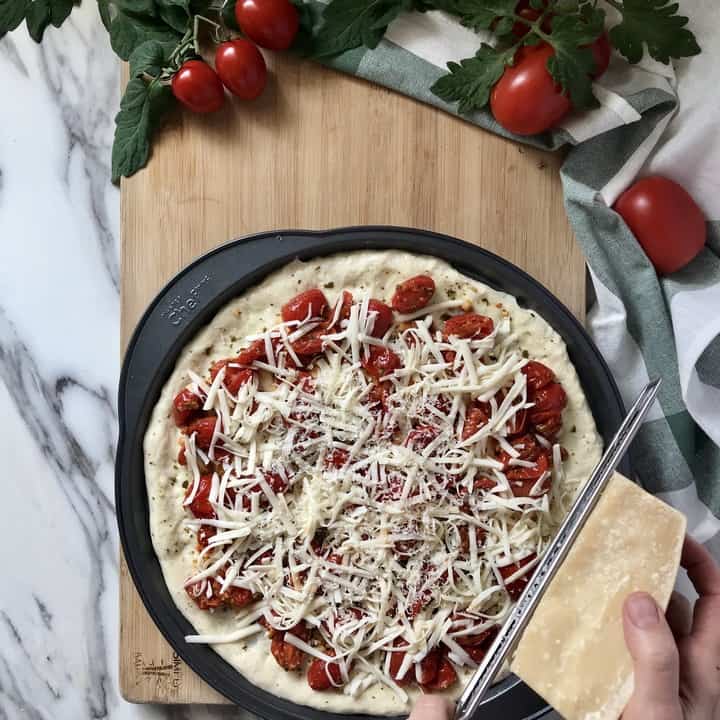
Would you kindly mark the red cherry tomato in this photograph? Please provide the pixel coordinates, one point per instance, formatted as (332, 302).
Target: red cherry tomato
(309, 304)
(241, 68)
(522, 479)
(234, 378)
(323, 676)
(526, 100)
(445, 677)
(476, 416)
(601, 55)
(469, 325)
(185, 405)
(204, 428)
(551, 398)
(666, 221)
(413, 294)
(200, 506)
(537, 374)
(272, 24)
(516, 587)
(381, 361)
(197, 86)
(396, 660)
(383, 317)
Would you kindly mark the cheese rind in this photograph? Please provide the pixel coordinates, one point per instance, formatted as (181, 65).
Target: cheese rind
(573, 651)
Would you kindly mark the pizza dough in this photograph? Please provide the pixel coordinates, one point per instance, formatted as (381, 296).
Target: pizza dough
(375, 273)
(573, 652)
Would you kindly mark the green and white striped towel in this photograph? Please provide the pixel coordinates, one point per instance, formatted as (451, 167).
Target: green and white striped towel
(650, 120)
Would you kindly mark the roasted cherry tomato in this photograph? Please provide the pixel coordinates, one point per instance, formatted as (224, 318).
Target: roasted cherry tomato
(200, 506)
(413, 294)
(322, 675)
(396, 660)
(526, 100)
(304, 306)
(197, 86)
(551, 398)
(383, 317)
(523, 479)
(548, 424)
(235, 377)
(380, 361)
(420, 437)
(345, 304)
(516, 587)
(272, 24)
(255, 351)
(278, 484)
(537, 374)
(666, 221)
(185, 405)
(601, 55)
(310, 344)
(199, 595)
(476, 416)
(288, 656)
(241, 68)
(464, 532)
(204, 429)
(446, 676)
(204, 535)
(428, 667)
(468, 326)
(337, 458)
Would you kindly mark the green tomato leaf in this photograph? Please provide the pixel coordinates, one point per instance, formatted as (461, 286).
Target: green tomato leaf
(176, 13)
(310, 14)
(228, 15)
(349, 24)
(42, 13)
(12, 13)
(150, 57)
(127, 32)
(482, 14)
(141, 111)
(470, 82)
(572, 64)
(656, 25)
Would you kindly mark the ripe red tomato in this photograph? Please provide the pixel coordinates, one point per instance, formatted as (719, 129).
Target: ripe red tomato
(380, 361)
(309, 304)
(526, 99)
(666, 221)
(185, 406)
(601, 55)
(469, 325)
(413, 294)
(272, 24)
(322, 675)
(197, 86)
(200, 507)
(383, 317)
(241, 68)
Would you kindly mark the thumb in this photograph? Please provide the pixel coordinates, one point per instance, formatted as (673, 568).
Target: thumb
(655, 661)
(431, 707)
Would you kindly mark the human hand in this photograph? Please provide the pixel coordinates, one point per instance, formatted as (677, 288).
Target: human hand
(676, 657)
(431, 707)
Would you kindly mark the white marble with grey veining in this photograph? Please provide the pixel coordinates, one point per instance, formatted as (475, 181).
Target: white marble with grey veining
(59, 363)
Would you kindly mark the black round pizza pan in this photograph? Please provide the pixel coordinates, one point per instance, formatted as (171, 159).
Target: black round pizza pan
(187, 303)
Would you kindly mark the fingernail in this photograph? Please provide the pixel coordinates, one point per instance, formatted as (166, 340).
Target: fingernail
(642, 610)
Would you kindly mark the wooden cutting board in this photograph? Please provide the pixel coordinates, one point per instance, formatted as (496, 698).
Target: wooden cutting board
(322, 150)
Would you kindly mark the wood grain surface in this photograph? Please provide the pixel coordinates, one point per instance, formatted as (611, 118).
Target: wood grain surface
(321, 150)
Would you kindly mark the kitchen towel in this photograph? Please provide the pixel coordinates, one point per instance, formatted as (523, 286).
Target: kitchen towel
(652, 118)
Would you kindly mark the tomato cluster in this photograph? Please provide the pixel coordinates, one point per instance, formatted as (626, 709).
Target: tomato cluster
(239, 65)
(526, 100)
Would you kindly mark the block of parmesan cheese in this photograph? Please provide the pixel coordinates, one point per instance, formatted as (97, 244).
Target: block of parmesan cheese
(573, 653)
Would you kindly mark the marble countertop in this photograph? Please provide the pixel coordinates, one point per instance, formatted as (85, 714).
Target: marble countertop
(59, 363)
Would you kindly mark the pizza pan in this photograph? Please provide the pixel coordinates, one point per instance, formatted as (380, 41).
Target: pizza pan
(187, 303)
